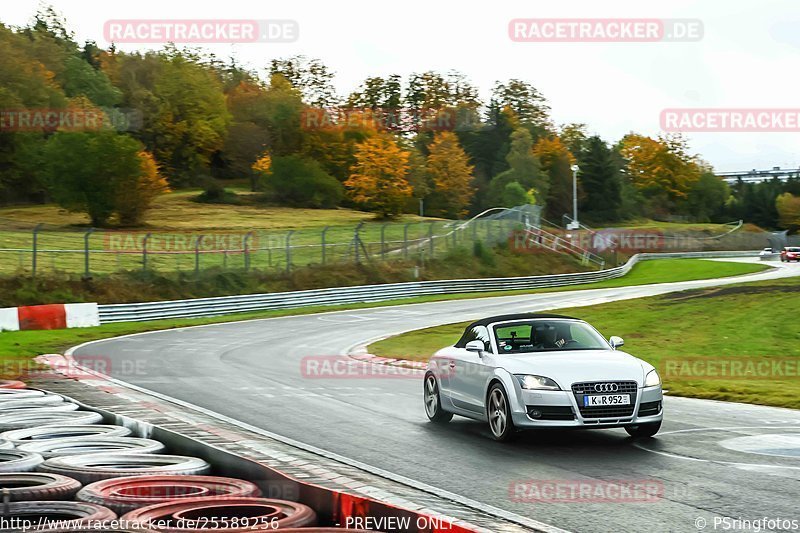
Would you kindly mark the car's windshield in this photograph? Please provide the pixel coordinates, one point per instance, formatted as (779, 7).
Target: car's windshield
(547, 335)
(793, 249)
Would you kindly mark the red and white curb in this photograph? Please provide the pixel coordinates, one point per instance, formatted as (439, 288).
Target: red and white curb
(50, 316)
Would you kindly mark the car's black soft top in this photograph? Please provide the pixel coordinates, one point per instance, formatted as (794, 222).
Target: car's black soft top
(516, 316)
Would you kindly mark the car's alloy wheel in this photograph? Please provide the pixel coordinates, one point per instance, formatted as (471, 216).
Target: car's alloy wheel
(499, 414)
(433, 404)
(643, 430)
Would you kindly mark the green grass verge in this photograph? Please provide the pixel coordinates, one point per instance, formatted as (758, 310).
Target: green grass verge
(688, 336)
(22, 345)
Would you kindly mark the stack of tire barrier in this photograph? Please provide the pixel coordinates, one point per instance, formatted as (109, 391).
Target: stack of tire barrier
(59, 463)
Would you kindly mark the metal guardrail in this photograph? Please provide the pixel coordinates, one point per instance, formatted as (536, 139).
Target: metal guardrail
(224, 305)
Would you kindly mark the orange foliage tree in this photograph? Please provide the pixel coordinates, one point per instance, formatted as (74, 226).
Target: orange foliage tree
(449, 170)
(378, 177)
(136, 196)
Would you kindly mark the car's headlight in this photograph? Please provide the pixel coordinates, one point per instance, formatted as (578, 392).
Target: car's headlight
(652, 379)
(536, 382)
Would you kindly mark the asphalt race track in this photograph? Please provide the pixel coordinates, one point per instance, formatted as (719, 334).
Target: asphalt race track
(713, 458)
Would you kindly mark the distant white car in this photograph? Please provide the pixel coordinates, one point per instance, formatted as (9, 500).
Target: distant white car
(529, 371)
(766, 251)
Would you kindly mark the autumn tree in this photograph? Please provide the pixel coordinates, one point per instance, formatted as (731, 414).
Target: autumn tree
(661, 168)
(528, 104)
(788, 207)
(379, 176)
(451, 175)
(263, 164)
(310, 76)
(135, 193)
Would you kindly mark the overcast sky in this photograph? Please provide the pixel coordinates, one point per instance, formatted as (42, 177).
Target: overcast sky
(747, 58)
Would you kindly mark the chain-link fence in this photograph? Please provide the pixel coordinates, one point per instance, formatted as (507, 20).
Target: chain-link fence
(27, 249)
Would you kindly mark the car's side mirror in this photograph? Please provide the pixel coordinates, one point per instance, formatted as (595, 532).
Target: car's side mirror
(475, 346)
(616, 342)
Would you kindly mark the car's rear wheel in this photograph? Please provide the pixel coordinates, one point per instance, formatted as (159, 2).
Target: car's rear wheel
(642, 431)
(433, 404)
(499, 414)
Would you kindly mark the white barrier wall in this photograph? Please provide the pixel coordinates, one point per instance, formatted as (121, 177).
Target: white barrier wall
(82, 315)
(9, 319)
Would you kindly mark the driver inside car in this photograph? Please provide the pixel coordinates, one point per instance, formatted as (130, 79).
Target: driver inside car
(547, 337)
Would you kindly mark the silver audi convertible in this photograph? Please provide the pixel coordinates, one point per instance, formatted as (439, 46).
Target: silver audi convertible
(529, 371)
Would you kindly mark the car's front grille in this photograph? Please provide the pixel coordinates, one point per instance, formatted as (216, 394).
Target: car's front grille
(606, 411)
(649, 408)
(551, 412)
(625, 387)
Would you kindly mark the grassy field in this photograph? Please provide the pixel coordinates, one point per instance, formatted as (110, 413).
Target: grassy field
(693, 337)
(18, 347)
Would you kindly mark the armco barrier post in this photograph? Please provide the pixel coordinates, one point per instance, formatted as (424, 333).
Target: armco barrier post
(144, 250)
(34, 247)
(86, 273)
(289, 251)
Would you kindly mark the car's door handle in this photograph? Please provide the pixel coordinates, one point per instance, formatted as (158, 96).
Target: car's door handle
(452, 364)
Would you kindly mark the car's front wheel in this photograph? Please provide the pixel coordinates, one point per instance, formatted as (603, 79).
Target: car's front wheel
(641, 431)
(433, 404)
(499, 414)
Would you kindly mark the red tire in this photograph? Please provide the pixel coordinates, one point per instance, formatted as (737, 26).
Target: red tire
(123, 495)
(34, 486)
(11, 384)
(263, 513)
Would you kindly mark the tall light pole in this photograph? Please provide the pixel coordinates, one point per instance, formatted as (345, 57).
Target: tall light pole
(574, 224)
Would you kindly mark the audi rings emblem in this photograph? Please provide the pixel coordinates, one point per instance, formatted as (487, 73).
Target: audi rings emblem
(606, 387)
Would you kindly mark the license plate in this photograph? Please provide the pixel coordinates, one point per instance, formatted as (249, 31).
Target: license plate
(606, 399)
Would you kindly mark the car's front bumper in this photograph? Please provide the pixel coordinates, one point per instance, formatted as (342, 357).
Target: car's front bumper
(559, 409)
